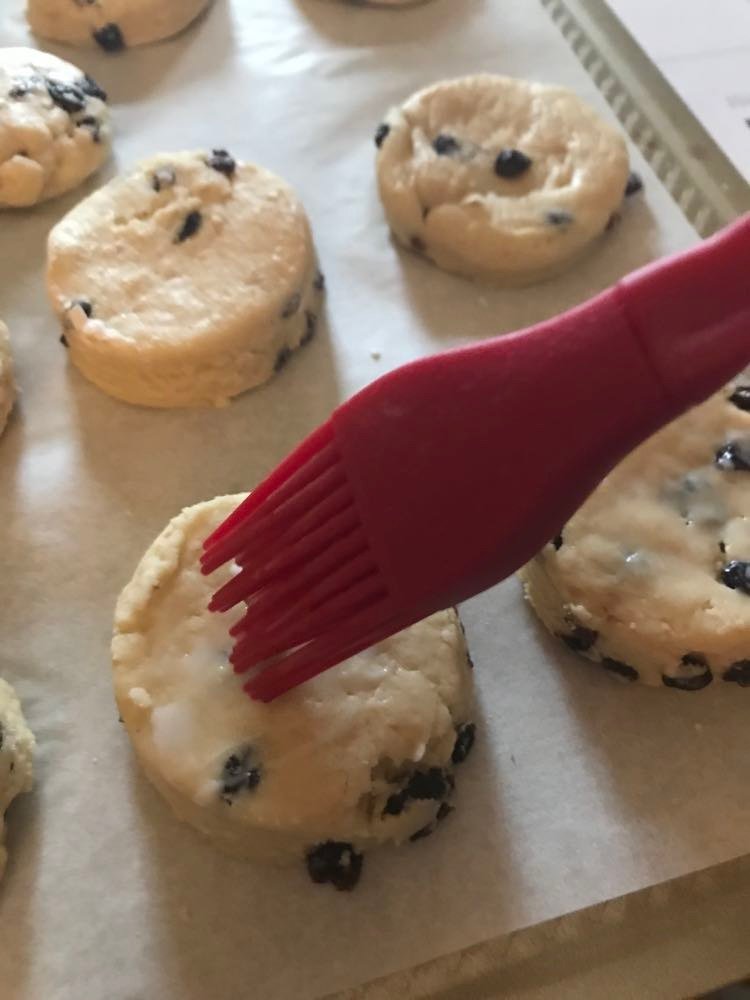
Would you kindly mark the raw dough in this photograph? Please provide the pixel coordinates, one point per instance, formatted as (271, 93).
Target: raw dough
(111, 24)
(16, 757)
(497, 178)
(651, 577)
(185, 281)
(7, 384)
(54, 127)
(320, 773)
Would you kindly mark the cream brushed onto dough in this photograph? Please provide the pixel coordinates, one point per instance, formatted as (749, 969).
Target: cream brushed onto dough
(360, 756)
(651, 577)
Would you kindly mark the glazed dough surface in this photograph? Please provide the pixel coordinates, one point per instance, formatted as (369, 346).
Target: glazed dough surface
(326, 758)
(651, 577)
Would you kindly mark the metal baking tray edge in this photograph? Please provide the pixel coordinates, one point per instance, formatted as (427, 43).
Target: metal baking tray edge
(706, 186)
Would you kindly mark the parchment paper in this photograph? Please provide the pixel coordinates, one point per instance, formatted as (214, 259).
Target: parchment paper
(580, 789)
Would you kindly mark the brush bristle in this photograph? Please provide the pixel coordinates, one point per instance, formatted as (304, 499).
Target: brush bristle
(311, 585)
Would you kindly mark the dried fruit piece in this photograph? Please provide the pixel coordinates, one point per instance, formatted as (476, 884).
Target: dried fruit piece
(190, 226)
(465, 737)
(634, 184)
(93, 124)
(443, 810)
(619, 668)
(67, 96)
(559, 218)
(444, 145)
(240, 772)
(82, 304)
(580, 639)
(311, 324)
(736, 575)
(734, 456)
(695, 674)
(738, 673)
(381, 133)
(431, 784)
(89, 86)
(222, 161)
(335, 862)
(511, 163)
(741, 397)
(109, 38)
(396, 803)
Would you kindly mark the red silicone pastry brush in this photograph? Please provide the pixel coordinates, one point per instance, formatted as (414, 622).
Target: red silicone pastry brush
(444, 476)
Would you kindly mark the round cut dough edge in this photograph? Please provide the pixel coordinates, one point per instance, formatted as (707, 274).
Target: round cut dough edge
(329, 756)
(450, 205)
(180, 283)
(634, 580)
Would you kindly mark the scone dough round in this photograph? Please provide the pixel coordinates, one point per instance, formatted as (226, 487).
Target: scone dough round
(111, 24)
(54, 126)
(499, 179)
(651, 577)
(7, 383)
(360, 756)
(16, 757)
(185, 281)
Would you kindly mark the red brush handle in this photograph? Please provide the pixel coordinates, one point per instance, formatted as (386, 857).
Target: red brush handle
(463, 464)
(691, 313)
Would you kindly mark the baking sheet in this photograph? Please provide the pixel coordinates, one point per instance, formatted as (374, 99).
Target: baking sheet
(580, 789)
